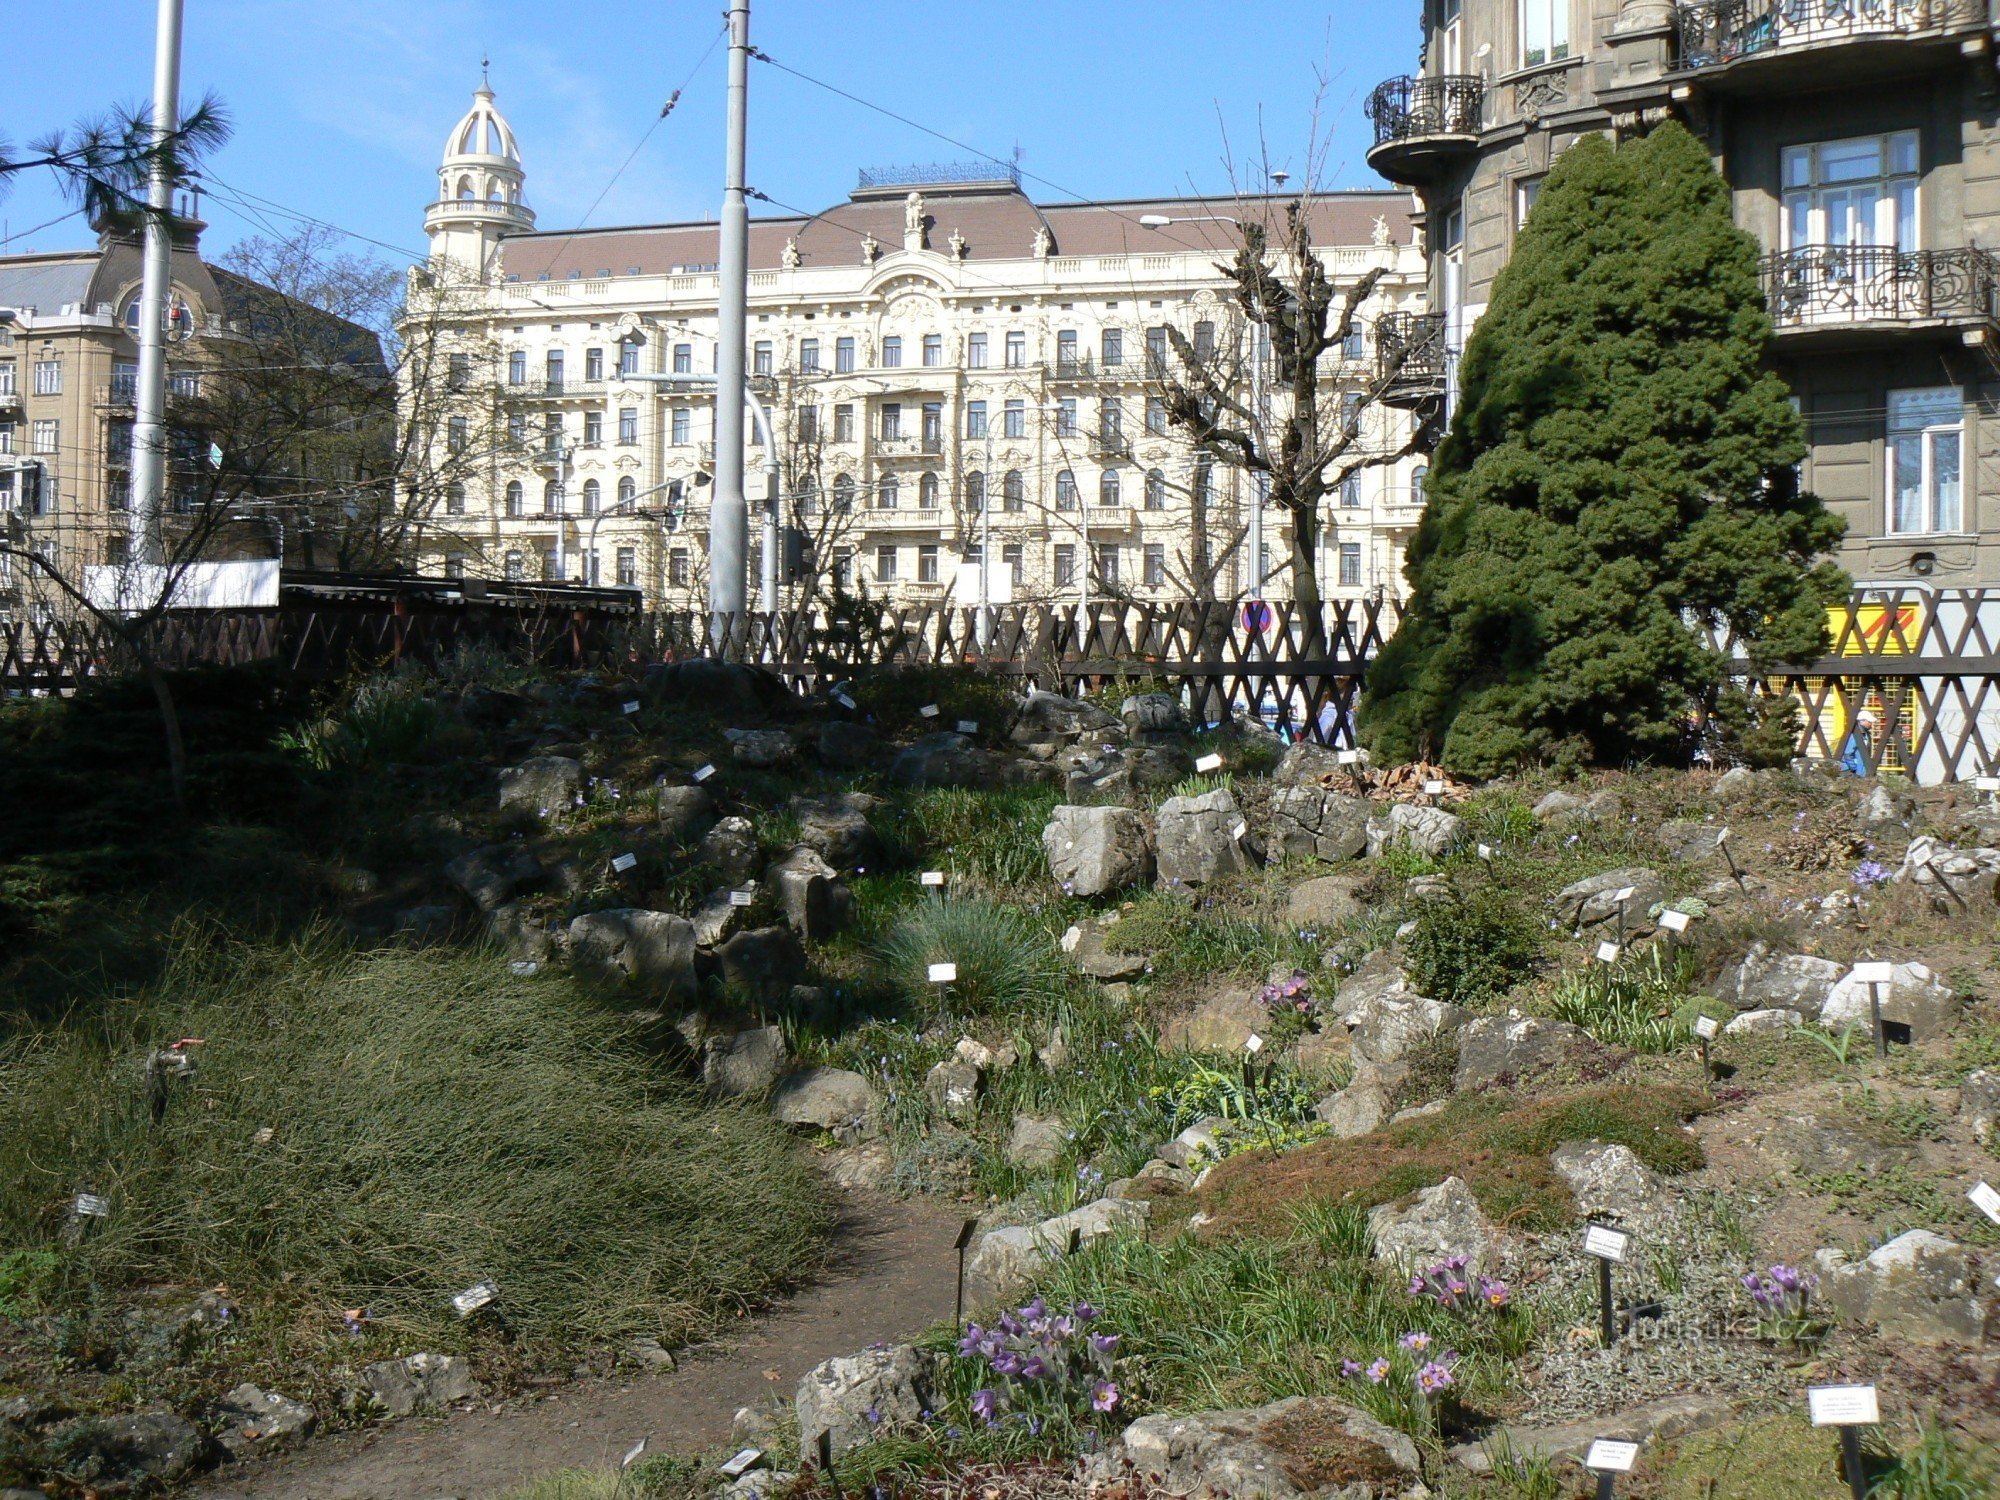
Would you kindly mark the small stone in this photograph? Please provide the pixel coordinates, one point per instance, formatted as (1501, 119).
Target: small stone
(1036, 1142)
(1610, 1183)
(1326, 902)
(1095, 850)
(760, 749)
(546, 784)
(1357, 1109)
(249, 1421)
(401, 1386)
(823, 1098)
(1979, 1103)
(1429, 831)
(745, 1065)
(491, 876)
(686, 813)
(856, 1397)
(1764, 1023)
(1432, 1225)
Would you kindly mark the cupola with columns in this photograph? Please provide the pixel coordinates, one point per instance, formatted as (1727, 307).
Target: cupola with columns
(479, 188)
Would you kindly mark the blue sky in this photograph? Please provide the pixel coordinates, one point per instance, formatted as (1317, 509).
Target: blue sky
(341, 107)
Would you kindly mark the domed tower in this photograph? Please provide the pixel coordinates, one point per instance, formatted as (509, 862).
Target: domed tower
(479, 188)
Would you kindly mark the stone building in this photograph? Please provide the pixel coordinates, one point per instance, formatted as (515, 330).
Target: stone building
(1858, 137)
(935, 340)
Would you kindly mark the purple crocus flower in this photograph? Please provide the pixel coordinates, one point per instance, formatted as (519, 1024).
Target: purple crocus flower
(1105, 1343)
(1104, 1396)
(985, 1406)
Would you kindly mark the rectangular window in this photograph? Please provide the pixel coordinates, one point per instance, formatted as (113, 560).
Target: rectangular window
(885, 564)
(1110, 421)
(892, 421)
(809, 356)
(552, 432)
(927, 563)
(1853, 193)
(628, 358)
(892, 353)
(975, 419)
(1526, 191)
(1156, 414)
(843, 355)
(1010, 559)
(517, 429)
(1066, 355)
(1204, 341)
(684, 359)
(1926, 442)
(517, 367)
(459, 372)
(516, 567)
(1350, 492)
(1014, 420)
(554, 369)
(843, 423)
(48, 377)
(45, 436)
(933, 349)
(1350, 565)
(1017, 349)
(454, 500)
(628, 424)
(843, 568)
(7, 376)
(808, 423)
(593, 364)
(1544, 31)
(628, 567)
(933, 428)
(682, 426)
(456, 439)
(1107, 564)
(6, 438)
(761, 357)
(1156, 565)
(679, 571)
(1066, 417)
(593, 427)
(975, 351)
(1065, 565)
(1112, 345)
(454, 565)
(1156, 351)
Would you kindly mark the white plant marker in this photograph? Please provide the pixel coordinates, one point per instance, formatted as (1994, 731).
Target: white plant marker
(1605, 1242)
(968, 726)
(1433, 788)
(932, 877)
(1347, 758)
(1987, 1200)
(1208, 763)
(703, 773)
(479, 1294)
(625, 862)
(929, 710)
(1611, 1456)
(741, 1464)
(1238, 831)
(1254, 1045)
(844, 701)
(1844, 1405)
(91, 1206)
(1674, 921)
(943, 973)
(1607, 953)
(1706, 1028)
(632, 707)
(742, 898)
(1874, 973)
(1486, 851)
(1624, 893)
(634, 1453)
(1071, 938)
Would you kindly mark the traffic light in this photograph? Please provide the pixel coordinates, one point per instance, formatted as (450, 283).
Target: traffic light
(796, 557)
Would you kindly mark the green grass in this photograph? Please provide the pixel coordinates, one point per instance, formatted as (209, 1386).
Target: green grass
(1636, 1003)
(1003, 962)
(434, 1121)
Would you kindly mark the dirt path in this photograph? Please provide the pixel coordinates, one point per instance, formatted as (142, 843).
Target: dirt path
(892, 1277)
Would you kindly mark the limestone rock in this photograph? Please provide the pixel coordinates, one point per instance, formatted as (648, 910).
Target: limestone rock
(543, 785)
(837, 828)
(1979, 1103)
(1152, 714)
(1505, 1049)
(1882, 812)
(131, 1451)
(823, 1098)
(1763, 980)
(1737, 785)
(1378, 977)
(730, 849)
(686, 813)
(719, 918)
(1916, 998)
(856, 1396)
(1304, 763)
(1049, 716)
(1432, 1225)
(1253, 1454)
(250, 1422)
(746, 1064)
(1393, 1028)
(1816, 1148)
(1093, 955)
(760, 749)
(1357, 1109)
(1689, 842)
(955, 1086)
(401, 1386)
(1222, 1021)
(762, 964)
(1200, 1143)
(1200, 839)
(1325, 902)
(1655, 1421)
(1429, 831)
(653, 951)
(1918, 1288)
(1004, 1261)
(491, 876)
(515, 933)
(720, 687)
(1310, 823)
(1611, 1184)
(1589, 902)
(944, 760)
(1095, 850)
(809, 893)
(1036, 1142)
(1764, 1023)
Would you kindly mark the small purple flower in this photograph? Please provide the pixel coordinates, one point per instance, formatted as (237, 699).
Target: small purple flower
(1378, 1372)
(1349, 1368)
(1034, 1368)
(1104, 1396)
(1415, 1342)
(986, 1406)
(1433, 1378)
(1105, 1343)
(874, 1417)
(975, 1336)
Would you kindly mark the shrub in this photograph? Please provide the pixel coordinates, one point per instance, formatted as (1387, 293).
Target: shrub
(896, 697)
(1632, 1004)
(1472, 949)
(1003, 963)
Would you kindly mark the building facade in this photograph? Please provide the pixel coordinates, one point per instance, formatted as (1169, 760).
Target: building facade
(1859, 141)
(945, 366)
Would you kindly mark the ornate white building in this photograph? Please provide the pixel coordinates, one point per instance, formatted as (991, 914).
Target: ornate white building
(934, 340)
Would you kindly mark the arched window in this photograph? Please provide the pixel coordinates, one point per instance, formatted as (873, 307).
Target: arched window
(1156, 490)
(1065, 490)
(1013, 490)
(927, 491)
(592, 493)
(1420, 479)
(514, 498)
(465, 193)
(552, 499)
(468, 144)
(628, 494)
(454, 500)
(1108, 485)
(843, 492)
(496, 194)
(887, 493)
(975, 492)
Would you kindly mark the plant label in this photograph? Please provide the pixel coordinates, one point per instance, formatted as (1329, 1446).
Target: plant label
(1674, 921)
(90, 1206)
(1843, 1406)
(630, 708)
(742, 1463)
(264, 1136)
(844, 701)
(479, 1294)
(1433, 788)
(932, 877)
(1208, 763)
(1624, 893)
(704, 773)
(1485, 851)
(1071, 938)
(1986, 1199)
(1611, 1456)
(929, 710)
(742, 898)
(1706, 1028)
(1238, 831)
(1605, 1243)
(1988, 784)
(968, 726)
(634, 1453)
(524, 968)
(625, 862)
(1348, 758)
(1920, 852)
(1874, 973)
(965, 1233)
(943, 973)
(1722, 838)
(1607, 953)
(1254, 1045)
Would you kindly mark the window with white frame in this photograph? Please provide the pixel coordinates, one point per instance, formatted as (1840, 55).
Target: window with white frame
(1014, 420)
(1017, 349)
(628, 424)
(975, 351)
(684, 359)
(48, 377)
(1852, 193)
(1107, 564)
(1011, 560)
(887, 493)
(933, 349)
(1526, 191)
(927, 563)
(45, 436)
(680, 570)
(628, 567)
(1065, 490)
(1544, 31)
(516, 567)
(1350, 564)
(1156, 565)
(885, 564)
(682, 427)
(892, 352)
(1926, 470)
(1065, 565)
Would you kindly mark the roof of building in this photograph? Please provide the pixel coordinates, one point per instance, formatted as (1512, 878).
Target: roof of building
(997, 221)
(47, 283)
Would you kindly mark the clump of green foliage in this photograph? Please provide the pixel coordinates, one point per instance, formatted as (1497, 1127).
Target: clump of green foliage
(1003, 963)
(896, 697)
(1619, 476)
(1473, 948)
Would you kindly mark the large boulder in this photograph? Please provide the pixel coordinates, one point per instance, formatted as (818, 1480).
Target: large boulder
(1325, 902)
(1763, 980)
(686, 813)
(1305, 763)
(809, 893)
(1919, 1288)
(1566, 809)
(1357, 1109)
(1612, 1185)
(856, 1396)
(1200, 839)
(1915, 998)
(1093, 771)
(1221, 1020)
(491, 875)
(1815, 1147)
(1689, 842)
(824, 1099)
(653, 951)
(946, 759)
(1392, 1028)
(544, 785)
(1095, 850)
(762, 964)
(1308, 822)
(1093, 954)
(1881, 811)
(1592, 901)
(1377, 977)
(1508, 1049)
(1149, 714)
(1429, 831)
(717, 687)
(746, 1064)
(398, 1387)
(1432, 1225)
(760, 749)
(730, 849)
(1036, 1142)
(134, 1451)
(837, 828)
(250, 1422)
(1272, 1452)
(1004, 1261)
(1049, 716)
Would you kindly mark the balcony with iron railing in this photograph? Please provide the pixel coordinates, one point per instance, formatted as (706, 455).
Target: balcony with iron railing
(910, 445)
(1847, 294)
(1073, 367)
(1411, 359)
(1758, 44)
(1422, 124)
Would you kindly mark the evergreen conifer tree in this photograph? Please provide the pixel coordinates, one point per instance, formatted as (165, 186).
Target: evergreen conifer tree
(1619, 478)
